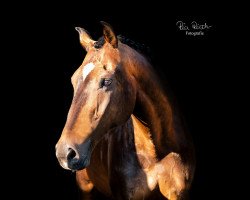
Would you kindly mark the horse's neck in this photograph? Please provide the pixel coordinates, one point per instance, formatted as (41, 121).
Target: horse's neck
(154, 108)
(133, 135)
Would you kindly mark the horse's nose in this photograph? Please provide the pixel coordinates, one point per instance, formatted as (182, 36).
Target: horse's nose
(73, 159)
(67, 156)
(72, 155)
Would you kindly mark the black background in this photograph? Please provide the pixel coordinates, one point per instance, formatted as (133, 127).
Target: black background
(46, 51)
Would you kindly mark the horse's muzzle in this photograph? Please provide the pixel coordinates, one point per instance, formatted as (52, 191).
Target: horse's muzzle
(75, 162)
(72, 159)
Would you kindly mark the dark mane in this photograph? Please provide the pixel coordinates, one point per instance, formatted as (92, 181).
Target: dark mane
(141, 48)
(100, 42)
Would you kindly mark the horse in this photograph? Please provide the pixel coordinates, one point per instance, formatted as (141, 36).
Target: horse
(122, 135)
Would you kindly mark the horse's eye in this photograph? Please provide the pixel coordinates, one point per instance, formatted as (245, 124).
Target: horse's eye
(105, 82)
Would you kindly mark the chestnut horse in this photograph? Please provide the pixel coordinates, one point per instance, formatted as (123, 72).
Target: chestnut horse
(122, 134)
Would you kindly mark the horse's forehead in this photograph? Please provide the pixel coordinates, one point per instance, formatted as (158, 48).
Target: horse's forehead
(89, 67)
(96, 61)
(108, 54)
(94, 68)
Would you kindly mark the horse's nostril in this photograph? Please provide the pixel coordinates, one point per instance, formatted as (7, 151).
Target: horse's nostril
(71, 154)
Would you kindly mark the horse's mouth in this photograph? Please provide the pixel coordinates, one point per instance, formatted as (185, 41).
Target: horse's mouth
(79, 164)
(75, 164)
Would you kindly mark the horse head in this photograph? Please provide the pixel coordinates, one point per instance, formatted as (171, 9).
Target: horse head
(104, 97)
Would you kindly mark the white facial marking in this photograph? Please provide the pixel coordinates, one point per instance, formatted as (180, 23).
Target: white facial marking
(87, 69)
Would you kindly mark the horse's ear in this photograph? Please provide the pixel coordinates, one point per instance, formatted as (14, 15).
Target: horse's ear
(85, 39)
(109, 34)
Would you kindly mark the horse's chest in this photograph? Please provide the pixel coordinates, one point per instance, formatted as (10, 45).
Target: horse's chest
(127, 178)
(122, 167)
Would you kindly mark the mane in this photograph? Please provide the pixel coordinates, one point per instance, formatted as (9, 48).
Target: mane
(141, 48)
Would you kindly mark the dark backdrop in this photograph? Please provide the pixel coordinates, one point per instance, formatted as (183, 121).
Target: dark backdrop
(191, 66)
